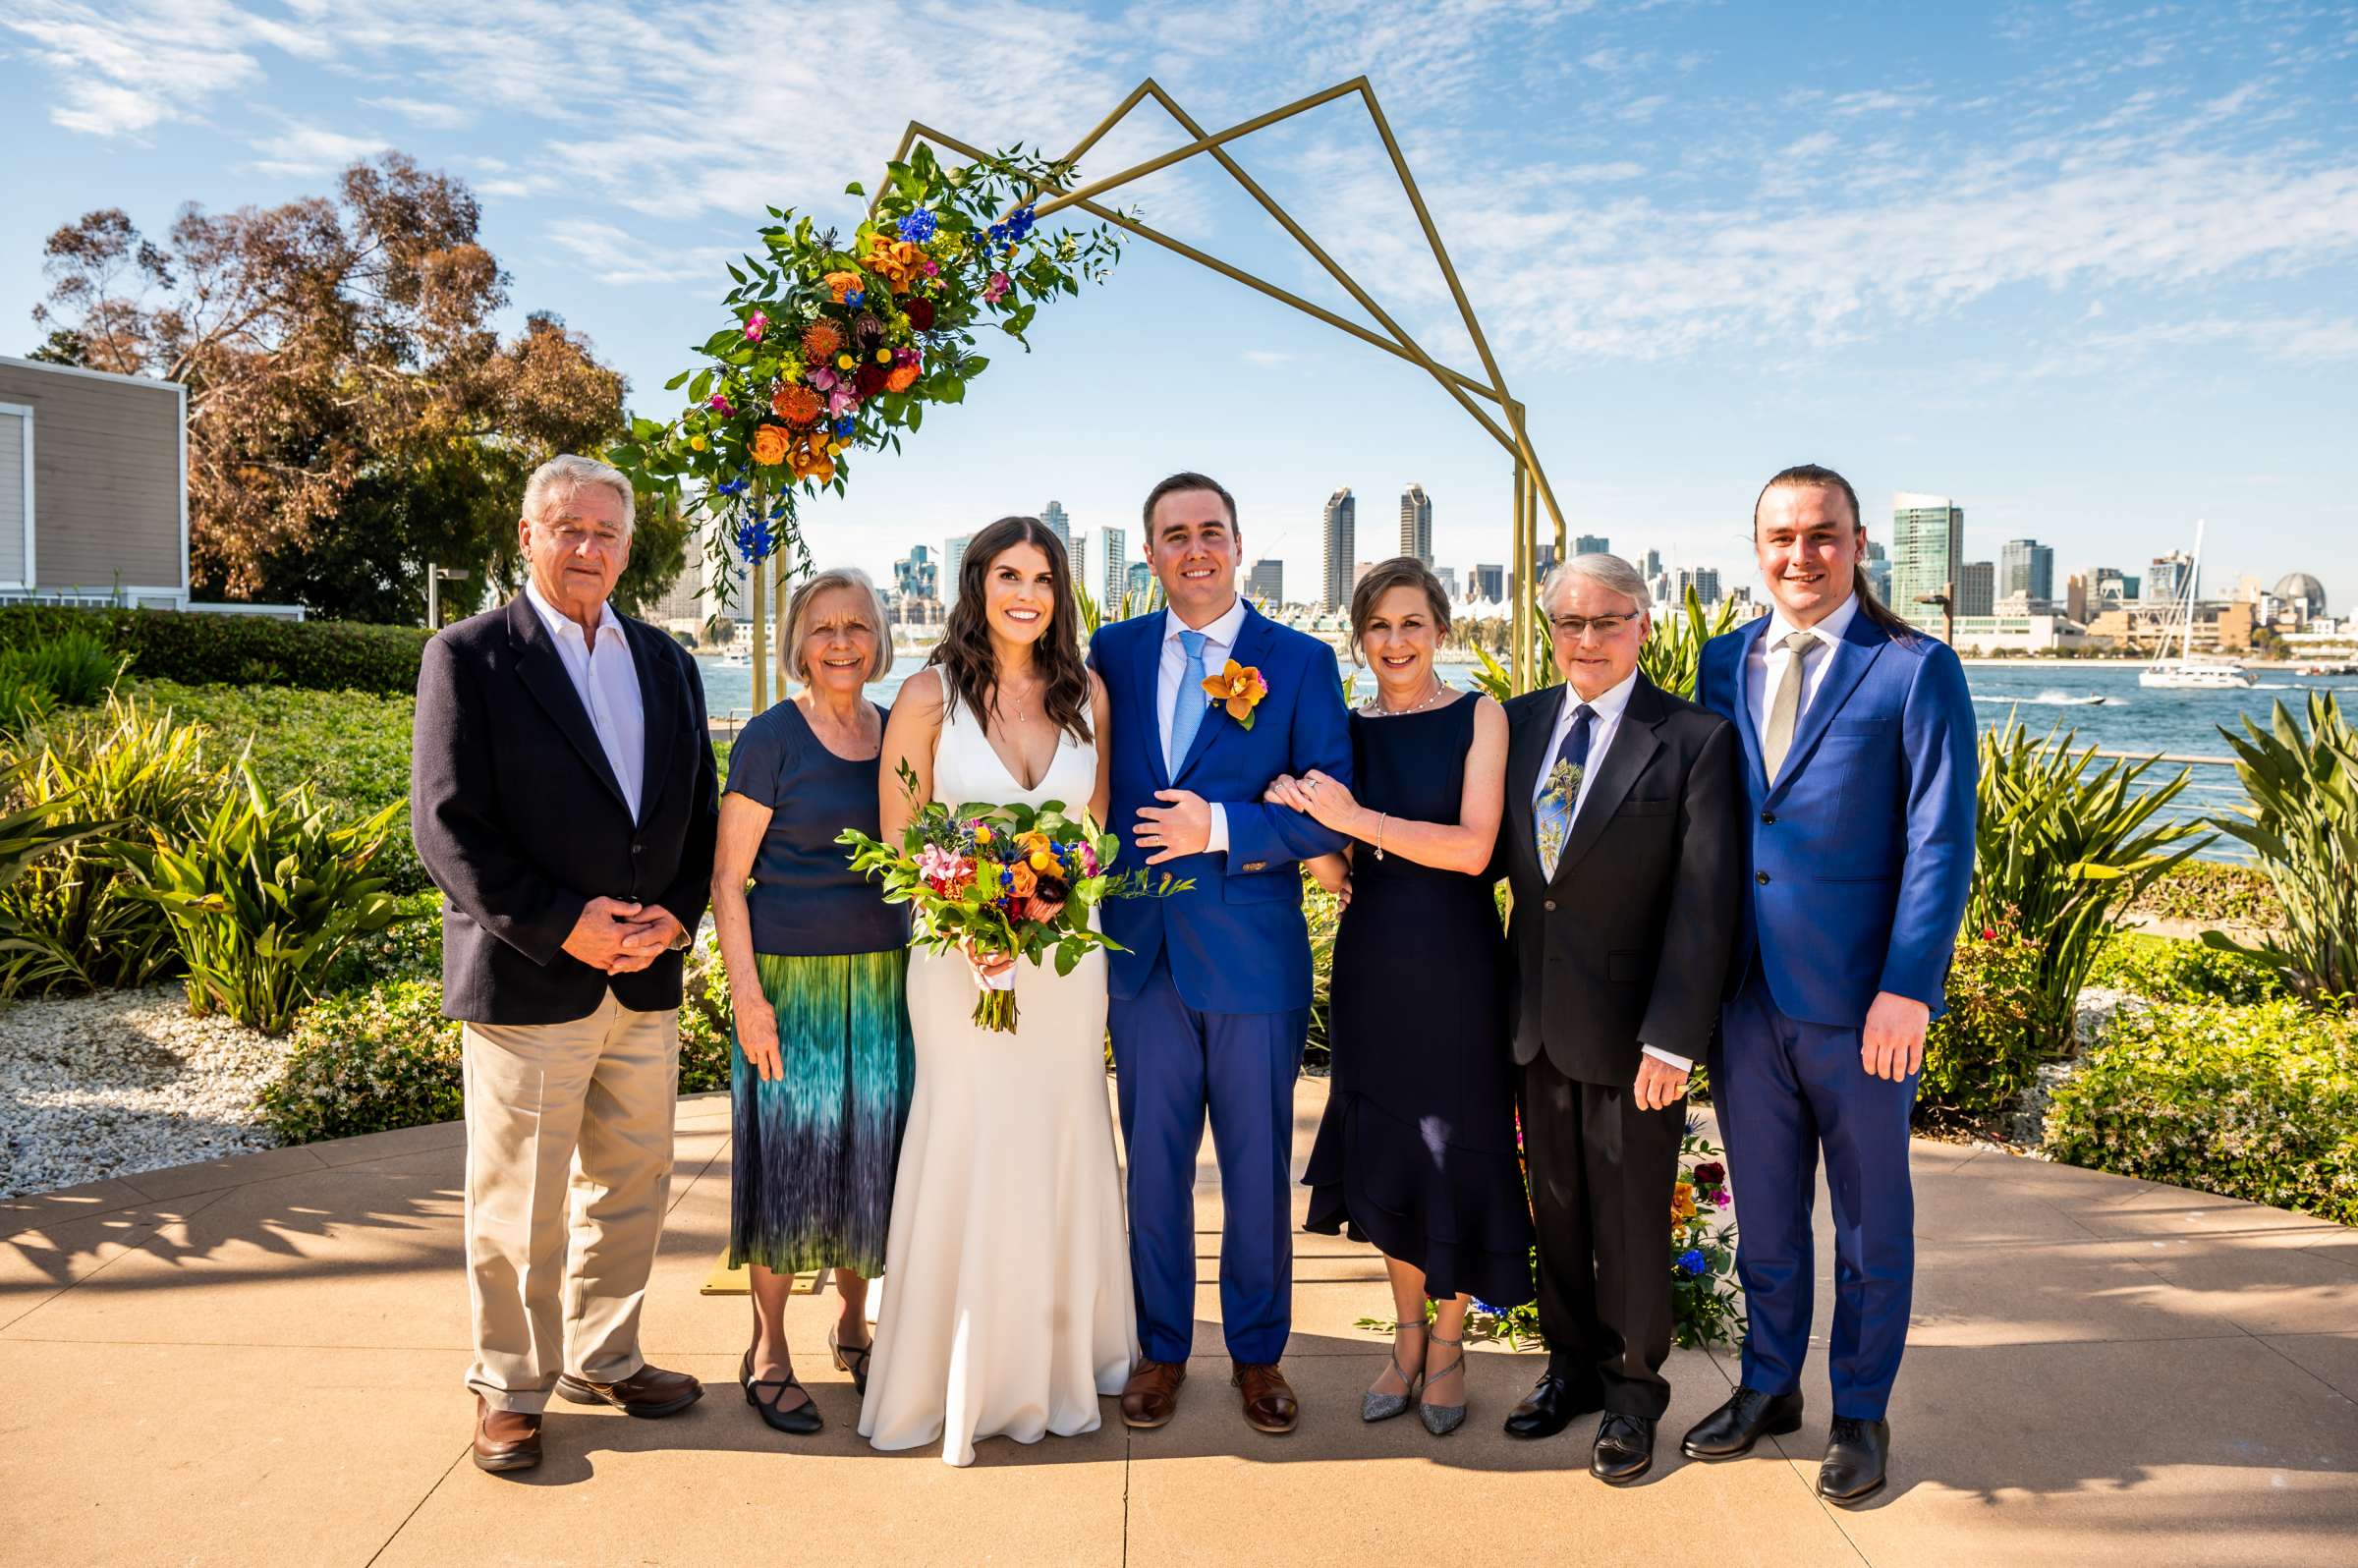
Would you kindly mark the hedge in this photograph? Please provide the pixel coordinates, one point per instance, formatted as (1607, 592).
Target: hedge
(198, 648)
(2257, 1102)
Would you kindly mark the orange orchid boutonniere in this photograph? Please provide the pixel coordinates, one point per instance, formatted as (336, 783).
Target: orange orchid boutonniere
(1239, 688)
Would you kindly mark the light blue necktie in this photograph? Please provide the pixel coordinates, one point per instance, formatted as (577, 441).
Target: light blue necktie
(1187, 707)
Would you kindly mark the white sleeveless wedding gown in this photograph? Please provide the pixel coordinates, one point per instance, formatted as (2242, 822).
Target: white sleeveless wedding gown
(1007, 1306)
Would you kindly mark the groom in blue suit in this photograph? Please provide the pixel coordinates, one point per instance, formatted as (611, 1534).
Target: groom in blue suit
(1858, 736)
(1210, 996)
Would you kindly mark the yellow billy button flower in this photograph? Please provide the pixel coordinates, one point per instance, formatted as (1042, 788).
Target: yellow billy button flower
(844, 361)
(697, 444)
(884, 356)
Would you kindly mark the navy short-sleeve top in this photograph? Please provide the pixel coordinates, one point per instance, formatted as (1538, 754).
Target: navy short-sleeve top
(806, 899)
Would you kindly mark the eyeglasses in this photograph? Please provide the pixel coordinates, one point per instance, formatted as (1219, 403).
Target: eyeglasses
(1574, 626)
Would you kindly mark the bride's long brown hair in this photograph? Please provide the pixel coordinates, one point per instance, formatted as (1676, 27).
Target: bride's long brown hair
(965, 654)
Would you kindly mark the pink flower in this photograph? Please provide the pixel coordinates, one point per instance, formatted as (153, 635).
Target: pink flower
(932, 269)
(1088, 858)
(756, 326)
(942, 870)
(821, 379)
(842, 401)
(718, 403)
(996, 289)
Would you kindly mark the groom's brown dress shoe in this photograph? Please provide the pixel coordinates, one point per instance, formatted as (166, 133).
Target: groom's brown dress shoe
(1269, 1398)
(648, 1392)
(505, 1440)
(1151, 1396)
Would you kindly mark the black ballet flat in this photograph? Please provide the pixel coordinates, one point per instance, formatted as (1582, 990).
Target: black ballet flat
(802, 1420)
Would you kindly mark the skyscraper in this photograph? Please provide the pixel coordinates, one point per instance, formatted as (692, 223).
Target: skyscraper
(1446, 576)
(1488, 586)
(1341, 534)
(1416, 524)
(1927, 553)
(1650, 565)
(2026, 567)
(1703, 579)
(919, 576)
(1058, 523)
(2169, 577)
(1977, 588)
(1877, 566)
(1139, 580)
(1077, 550)
(953, 557)
(1592, 544)
(1265, 582)
(1113, 545)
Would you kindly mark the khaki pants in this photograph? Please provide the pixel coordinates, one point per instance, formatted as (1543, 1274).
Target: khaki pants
(567, 1128)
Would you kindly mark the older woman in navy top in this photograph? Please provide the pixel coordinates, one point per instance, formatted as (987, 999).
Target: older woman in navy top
(821, 1063)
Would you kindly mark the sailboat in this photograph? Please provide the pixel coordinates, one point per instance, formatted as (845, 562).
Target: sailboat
(2186, 673)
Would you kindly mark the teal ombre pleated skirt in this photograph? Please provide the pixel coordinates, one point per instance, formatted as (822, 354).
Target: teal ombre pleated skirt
(817, 1147)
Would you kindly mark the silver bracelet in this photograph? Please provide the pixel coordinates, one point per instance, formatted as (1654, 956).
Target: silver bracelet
(1379, 819)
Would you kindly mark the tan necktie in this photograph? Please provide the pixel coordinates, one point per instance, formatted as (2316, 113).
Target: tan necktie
(1785, 704)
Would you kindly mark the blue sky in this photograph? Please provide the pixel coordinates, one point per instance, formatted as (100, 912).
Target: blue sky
(2091, 269)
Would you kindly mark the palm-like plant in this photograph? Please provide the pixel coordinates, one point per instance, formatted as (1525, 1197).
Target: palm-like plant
(1672, 657)
(2059, 851)
(2303, 824)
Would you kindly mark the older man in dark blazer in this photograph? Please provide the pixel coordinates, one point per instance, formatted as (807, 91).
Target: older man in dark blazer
(562, 796)
(1620, 846)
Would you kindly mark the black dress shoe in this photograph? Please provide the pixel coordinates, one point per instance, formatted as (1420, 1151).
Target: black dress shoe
(1748, 1417)
(1855, 1455)
(1624, 1448)
(1553, 1404)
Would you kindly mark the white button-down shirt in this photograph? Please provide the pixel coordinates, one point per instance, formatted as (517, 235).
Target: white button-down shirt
(1219, 640)
(1765, 665)
(606, 680)
(1609, 706)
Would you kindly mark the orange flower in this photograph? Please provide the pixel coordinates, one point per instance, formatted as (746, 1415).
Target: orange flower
(795, 405)
(1239, 688)
(1682, 1203)
(901, 378)
(1024, 879)
(821, 339)
(770, 444)
(896, 261)
(841, 284)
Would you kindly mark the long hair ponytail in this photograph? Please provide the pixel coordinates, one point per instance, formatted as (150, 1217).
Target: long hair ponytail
(1814, 476)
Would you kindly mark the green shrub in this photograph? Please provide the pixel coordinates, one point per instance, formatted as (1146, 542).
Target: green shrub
(77, 921)
(1323, 912)
(2303, 824)
(264, 896)
(2211, 891)
(2058, 849)
(198, 648)
(351, 748)
(705, 1019)
(2257, 1102)
(24, 703)
(2165, 968)
(411, 948)
(1980, 1056)
(368, 1061)
(77, 667)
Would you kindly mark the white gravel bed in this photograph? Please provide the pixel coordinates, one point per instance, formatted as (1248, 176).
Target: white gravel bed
(93, 1087)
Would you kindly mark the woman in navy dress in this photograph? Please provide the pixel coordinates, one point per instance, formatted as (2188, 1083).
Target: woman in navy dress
(1417, 1151)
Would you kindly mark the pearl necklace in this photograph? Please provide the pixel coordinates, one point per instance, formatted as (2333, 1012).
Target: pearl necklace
(1376, 709)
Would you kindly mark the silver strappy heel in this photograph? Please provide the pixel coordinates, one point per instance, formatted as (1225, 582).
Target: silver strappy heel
(1375, 1406)
(1443, 1419)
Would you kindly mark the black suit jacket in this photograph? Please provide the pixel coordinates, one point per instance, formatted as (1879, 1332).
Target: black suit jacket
(521, 821)
(1629, 942)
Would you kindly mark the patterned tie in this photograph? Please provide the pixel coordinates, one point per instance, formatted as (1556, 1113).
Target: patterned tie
(1785, 704)
(1562, 792)
(1189, 705)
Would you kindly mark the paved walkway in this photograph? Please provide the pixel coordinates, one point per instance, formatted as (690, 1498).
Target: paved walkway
(258, 1361)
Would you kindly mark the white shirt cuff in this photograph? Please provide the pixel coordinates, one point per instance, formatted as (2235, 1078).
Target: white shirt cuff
(1217, 843)
(1684, 1064)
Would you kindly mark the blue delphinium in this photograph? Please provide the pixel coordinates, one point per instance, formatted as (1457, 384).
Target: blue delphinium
(918, 225)
(844, 425)
(1692, 1262)
(856, 299)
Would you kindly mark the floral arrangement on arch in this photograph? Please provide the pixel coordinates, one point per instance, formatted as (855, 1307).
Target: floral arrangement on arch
(839, 343)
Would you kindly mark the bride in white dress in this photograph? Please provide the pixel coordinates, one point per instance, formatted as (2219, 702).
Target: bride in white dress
(1007, 1307)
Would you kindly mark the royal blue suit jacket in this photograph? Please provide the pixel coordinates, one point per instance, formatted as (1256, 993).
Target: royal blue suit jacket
(1237, 941)
(1860, 856)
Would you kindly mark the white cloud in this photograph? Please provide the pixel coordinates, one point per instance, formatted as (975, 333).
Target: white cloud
(428, 114)
(125, 69)
(616, 255)
(298, 149)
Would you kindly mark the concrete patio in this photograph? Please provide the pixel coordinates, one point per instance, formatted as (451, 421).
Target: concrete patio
(258, 1361)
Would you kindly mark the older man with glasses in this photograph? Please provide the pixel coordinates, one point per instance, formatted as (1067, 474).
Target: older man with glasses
(1621, 848)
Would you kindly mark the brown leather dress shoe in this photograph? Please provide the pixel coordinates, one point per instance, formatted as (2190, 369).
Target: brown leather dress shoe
(1269, 1398)
(1151, 1396)
(505, 1440)
(648, 1392)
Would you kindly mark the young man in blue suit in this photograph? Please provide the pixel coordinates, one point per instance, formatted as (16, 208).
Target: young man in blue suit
(1211, 998)
(1858, 737)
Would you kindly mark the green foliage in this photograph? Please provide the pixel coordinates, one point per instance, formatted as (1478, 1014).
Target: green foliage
(1979, 1057)
(352, 748)
(1323, 912)
(24, 703)
(197, 648)
(2166, 968)
(2303, 824)
(708, 1022)
(1673, 658)
(1095, 615)
(264, 896)
(368, 1061)
(2214, 891)
(410, 948)
(75, 921)
(2256, 1102)
(77, 667)
(2058, 850)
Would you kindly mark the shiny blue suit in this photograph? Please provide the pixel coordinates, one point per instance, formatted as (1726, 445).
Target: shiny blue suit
(1211, 998)
(1859, 859)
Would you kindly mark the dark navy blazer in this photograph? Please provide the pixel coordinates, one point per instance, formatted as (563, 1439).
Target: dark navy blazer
(1237, 941)
(1858, 859)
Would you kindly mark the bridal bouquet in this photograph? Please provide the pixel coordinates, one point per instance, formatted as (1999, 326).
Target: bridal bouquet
(1002, 880)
